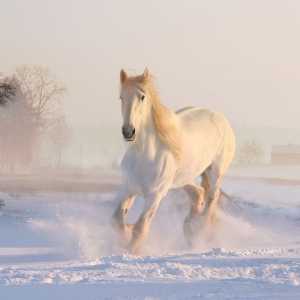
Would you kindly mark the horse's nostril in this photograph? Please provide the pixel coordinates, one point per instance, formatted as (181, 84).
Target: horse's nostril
(128, 132)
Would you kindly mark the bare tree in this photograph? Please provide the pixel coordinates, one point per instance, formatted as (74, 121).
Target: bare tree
(7, 91)
(250, 152)
(43, 93)
(31, 100)
(18, 129)
(59, 135)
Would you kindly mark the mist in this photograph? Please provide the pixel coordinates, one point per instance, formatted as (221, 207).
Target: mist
(235, 57)
(67, 229)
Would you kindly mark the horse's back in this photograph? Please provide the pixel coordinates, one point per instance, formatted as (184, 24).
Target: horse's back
(206, 134)
(184, 109)
(195, 116)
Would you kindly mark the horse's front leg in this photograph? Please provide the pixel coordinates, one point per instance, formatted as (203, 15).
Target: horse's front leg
(141, 228)
(119, 218)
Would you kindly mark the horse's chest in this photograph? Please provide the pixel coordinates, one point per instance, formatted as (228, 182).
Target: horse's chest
(140, 169)
(144, 174)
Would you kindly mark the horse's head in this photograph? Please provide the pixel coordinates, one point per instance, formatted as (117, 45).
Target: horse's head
(135, 104)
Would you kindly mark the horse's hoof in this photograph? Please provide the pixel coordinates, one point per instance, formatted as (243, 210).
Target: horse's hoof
(133, 249)
(127, 232)
(124, 234)
(189, 234)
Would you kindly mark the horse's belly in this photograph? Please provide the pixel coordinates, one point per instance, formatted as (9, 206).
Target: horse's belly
(199, 152)
(183, 178)
(186, 174)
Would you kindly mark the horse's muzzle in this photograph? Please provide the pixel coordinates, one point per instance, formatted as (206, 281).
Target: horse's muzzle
(128, 133)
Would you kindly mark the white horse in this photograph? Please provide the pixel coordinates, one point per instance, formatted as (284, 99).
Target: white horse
(169, 150)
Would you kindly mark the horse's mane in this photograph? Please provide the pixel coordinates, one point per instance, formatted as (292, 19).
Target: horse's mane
(164, 119)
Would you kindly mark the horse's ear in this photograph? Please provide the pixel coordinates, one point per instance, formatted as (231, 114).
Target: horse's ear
(123, 76)
(146, 74)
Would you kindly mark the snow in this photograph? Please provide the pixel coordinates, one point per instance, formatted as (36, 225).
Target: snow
(287, 172)
(57, 245)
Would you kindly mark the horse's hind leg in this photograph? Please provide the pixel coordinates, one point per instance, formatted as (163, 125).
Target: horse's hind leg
(119, 218)
(213, 176)
(193, 219)
(212, 181)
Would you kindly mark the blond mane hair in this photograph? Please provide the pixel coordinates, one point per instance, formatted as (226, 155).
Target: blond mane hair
(164, 119)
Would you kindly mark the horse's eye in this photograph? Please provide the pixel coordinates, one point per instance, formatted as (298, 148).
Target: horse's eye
(142, 97)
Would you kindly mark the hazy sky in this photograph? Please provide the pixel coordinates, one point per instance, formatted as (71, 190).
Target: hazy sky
(241, 57)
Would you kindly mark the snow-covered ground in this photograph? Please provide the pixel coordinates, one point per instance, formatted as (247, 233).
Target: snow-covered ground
(56, 245)
(287, 172)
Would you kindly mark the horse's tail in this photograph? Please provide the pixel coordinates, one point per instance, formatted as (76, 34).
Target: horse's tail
(226, 196)
(228, 202)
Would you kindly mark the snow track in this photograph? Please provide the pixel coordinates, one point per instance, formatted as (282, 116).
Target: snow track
(215, 265)
(60, 245)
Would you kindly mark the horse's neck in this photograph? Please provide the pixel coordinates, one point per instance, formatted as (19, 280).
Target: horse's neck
(151, 140)
(148, 141)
